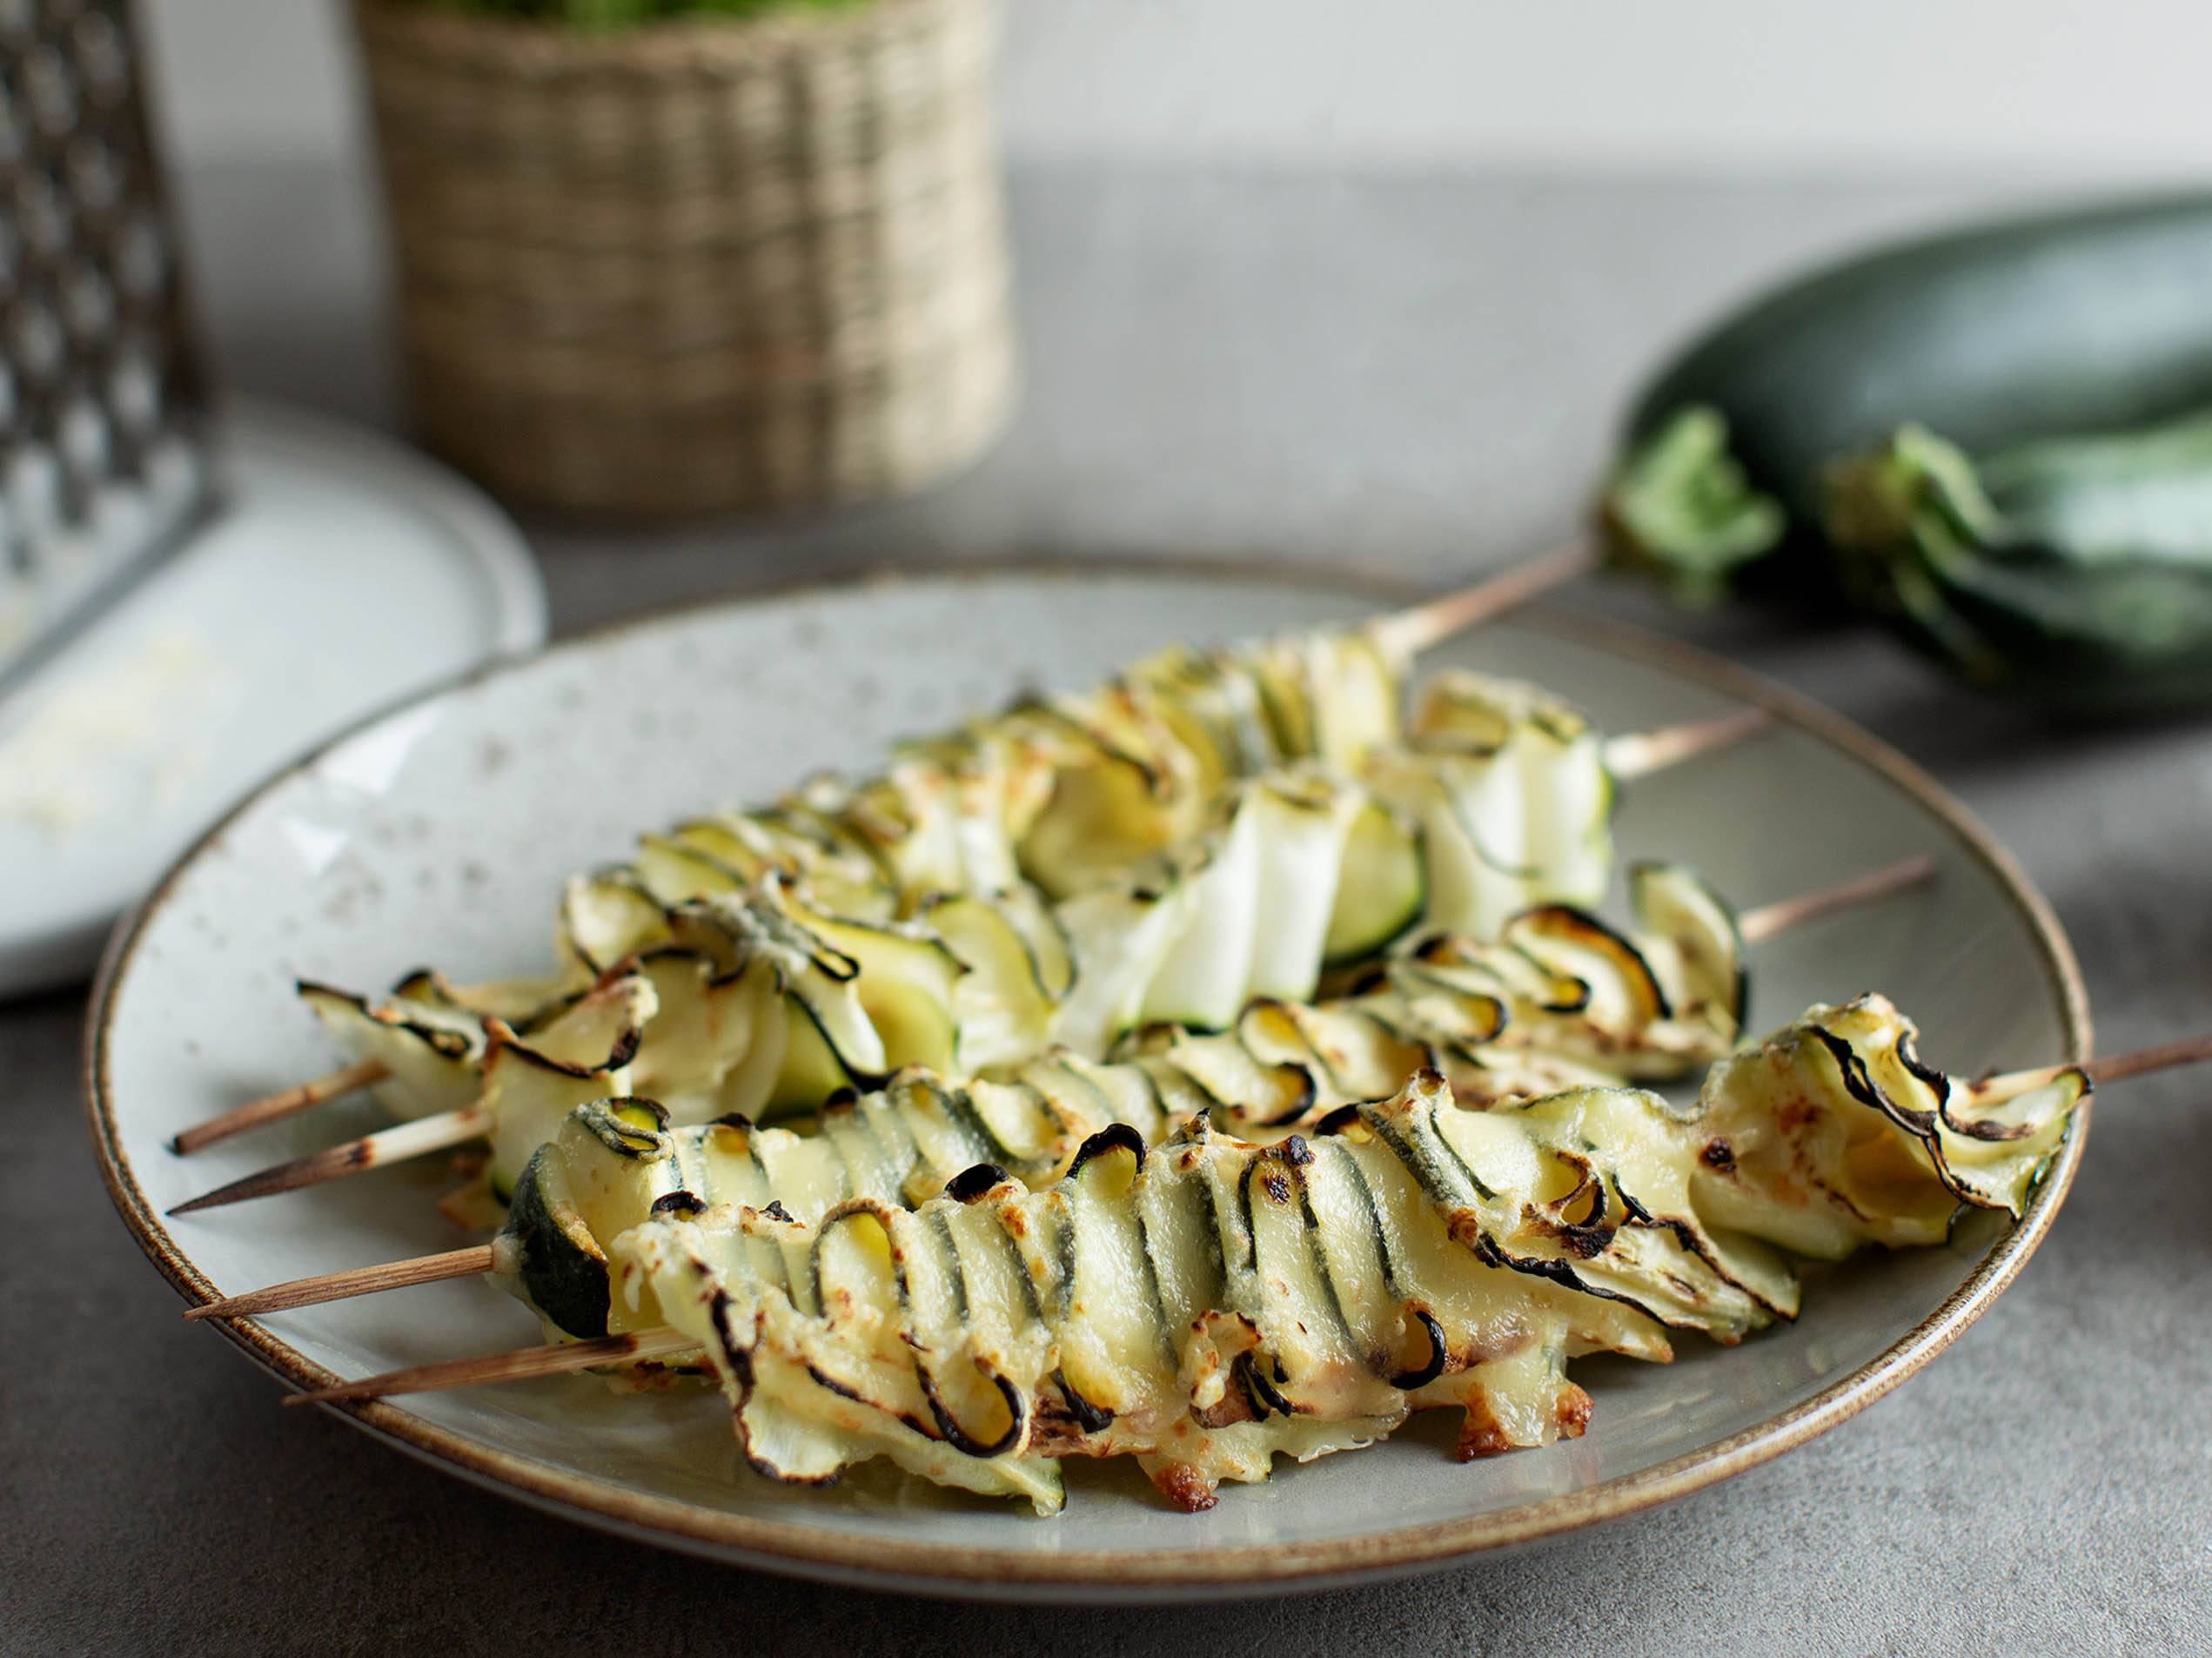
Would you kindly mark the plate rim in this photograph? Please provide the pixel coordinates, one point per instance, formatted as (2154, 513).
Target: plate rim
(946, 1569)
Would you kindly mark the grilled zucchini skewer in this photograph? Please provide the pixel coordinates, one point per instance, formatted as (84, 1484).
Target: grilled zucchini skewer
(1090, 779)
(776, 1003)
(1497, 798)
(1560, 992)
(1211, 1303)
(604, 1168)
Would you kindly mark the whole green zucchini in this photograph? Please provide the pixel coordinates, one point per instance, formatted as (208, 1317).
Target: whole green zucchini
(2055, 541)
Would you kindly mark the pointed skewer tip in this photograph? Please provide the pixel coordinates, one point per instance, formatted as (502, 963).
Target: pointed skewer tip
(274, 1108)
(377, 1151)
(521, 1364)
(475, 1259)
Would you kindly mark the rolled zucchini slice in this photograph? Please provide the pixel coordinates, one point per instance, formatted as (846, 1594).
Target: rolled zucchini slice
(1157, 747)
(1204, 977)
(607, 917)
(532, 1085)
(1004, 1002)
(548, 1252)
(1510, 789)
(1691, 940)
(1898, 1146)
(430, 1053)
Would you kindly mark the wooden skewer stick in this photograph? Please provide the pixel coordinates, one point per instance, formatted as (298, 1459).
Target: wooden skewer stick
(1408, 633)
(375, 1150)
(1760, 925)
(355, 1280)
(2164, 1055)
(1638, 753)
(274, 1108)
(521, 1365)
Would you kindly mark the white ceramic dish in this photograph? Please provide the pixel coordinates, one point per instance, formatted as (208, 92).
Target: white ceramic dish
(439, 832)
(344, 572)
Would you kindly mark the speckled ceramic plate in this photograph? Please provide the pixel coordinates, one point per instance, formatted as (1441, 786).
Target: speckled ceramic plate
(439, 832)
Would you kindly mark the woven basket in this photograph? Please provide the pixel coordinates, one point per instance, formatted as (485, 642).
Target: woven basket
(699, 266)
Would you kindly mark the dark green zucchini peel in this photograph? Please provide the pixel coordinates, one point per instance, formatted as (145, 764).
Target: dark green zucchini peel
(550, 1255)
(2073, 571)
(2054, 543)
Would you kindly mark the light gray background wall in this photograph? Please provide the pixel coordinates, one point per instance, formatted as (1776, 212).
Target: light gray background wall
(2048, 86)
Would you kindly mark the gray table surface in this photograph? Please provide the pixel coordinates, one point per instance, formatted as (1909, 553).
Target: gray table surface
(1419, 373)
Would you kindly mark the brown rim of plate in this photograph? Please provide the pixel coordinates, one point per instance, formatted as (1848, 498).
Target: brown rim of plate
(1259, 1569)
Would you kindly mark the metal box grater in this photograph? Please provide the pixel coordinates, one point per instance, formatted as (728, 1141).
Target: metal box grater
(104, 458)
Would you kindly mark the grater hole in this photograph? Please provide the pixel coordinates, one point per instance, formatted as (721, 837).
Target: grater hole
(100, 59)
(94, 178)
(87, 307)
(141, 261)
(83, 440)
(41, 217)
(51, 90)
(35, 342)
(134, 394)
